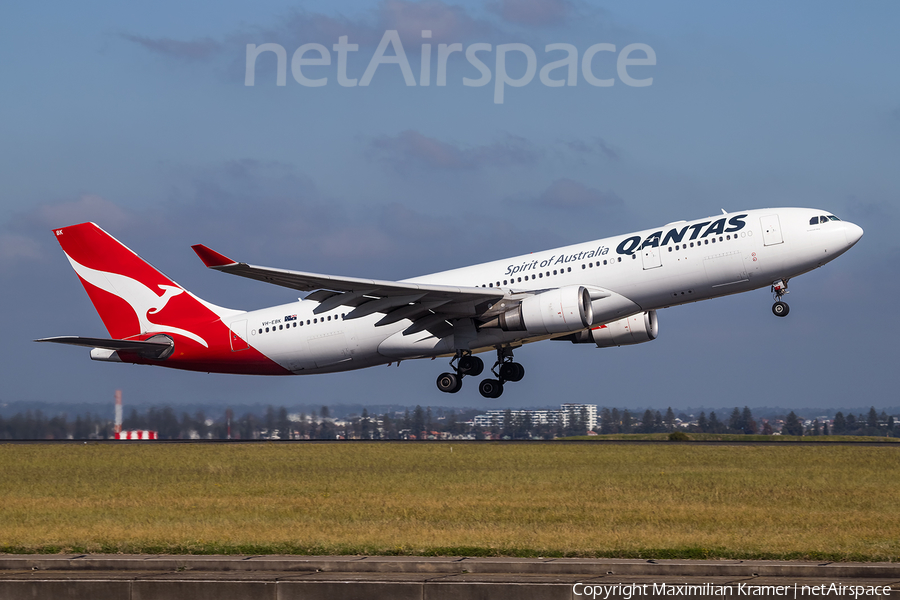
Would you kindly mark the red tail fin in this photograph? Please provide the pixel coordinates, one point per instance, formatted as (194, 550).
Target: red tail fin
(132, 297)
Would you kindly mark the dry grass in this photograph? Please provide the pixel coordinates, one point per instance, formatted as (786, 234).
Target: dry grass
(515, 499)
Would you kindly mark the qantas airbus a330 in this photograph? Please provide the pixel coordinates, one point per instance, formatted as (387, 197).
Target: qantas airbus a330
(604, 292)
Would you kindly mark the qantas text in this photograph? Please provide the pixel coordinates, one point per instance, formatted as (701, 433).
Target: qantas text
(675, 235)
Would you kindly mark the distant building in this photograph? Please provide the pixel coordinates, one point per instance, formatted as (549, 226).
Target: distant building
(491, 419)
(565, 410)
(497, 418)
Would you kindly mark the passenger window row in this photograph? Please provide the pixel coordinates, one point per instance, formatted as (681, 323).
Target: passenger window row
(282, 326)
(554, 272)
(591, 265)
(519, 280)
(610, 261)
(705, 242)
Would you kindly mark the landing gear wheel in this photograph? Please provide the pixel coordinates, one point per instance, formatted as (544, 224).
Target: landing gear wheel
(512, 371)
(471, 365)
(780, 309)
(449, 383)
(490, 388)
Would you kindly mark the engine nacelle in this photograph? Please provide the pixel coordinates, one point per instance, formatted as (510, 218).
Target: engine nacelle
(635, 329)
(556, 311)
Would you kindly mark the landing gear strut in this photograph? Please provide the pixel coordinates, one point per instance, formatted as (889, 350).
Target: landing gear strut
(505, 370)
(466, 364)
(779, 289)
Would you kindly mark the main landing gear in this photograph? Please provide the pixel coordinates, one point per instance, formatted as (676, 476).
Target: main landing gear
(505, 369)
(780, 308)
(466, 364)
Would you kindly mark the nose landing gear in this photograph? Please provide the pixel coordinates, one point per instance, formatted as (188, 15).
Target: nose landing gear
(779, 289)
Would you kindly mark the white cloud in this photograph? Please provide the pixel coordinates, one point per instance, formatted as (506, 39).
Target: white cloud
(535, 13)
(88, 207)
(448, 23)
(15, 248)
(568, 194)
(411, 148)
(191, 50)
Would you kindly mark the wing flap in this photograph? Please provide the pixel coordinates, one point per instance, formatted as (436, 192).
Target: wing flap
(426, 322)
(321, 295)
(383, 305)
(411, 311)
(343, 299)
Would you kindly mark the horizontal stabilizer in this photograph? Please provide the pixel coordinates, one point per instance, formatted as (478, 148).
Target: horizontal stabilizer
(146, 349)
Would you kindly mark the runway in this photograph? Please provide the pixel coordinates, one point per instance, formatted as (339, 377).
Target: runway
(151, 577)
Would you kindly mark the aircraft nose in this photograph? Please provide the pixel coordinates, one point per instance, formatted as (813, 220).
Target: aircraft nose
(853, 233)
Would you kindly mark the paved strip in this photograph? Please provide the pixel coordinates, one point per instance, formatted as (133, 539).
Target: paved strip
(151, 577)
(440, 564)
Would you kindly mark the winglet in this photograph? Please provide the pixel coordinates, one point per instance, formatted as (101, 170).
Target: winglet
(211, 258)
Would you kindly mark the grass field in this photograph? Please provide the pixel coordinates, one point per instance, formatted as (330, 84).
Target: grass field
(659, 501)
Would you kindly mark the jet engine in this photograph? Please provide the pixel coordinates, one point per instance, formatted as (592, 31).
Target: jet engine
(635, 329)
(555, 311)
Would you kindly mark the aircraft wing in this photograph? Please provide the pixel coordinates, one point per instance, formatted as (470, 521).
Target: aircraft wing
(429, 306)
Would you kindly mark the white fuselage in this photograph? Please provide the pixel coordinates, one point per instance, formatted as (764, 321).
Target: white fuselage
(675, 264)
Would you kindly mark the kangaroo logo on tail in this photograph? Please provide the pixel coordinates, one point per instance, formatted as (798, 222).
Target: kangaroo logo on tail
(123, 286)
(143, 300)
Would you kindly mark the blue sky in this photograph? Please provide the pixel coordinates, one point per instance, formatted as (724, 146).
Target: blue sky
(139, 118)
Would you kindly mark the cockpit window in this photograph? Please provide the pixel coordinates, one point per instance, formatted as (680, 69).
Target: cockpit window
(833, 218)
(814, 221)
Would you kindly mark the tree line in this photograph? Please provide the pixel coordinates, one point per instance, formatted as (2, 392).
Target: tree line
(426, 423)
(274, 423)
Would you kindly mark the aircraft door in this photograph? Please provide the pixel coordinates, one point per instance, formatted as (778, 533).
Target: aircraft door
(651, 257)
(771, 229)
(238, 335)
